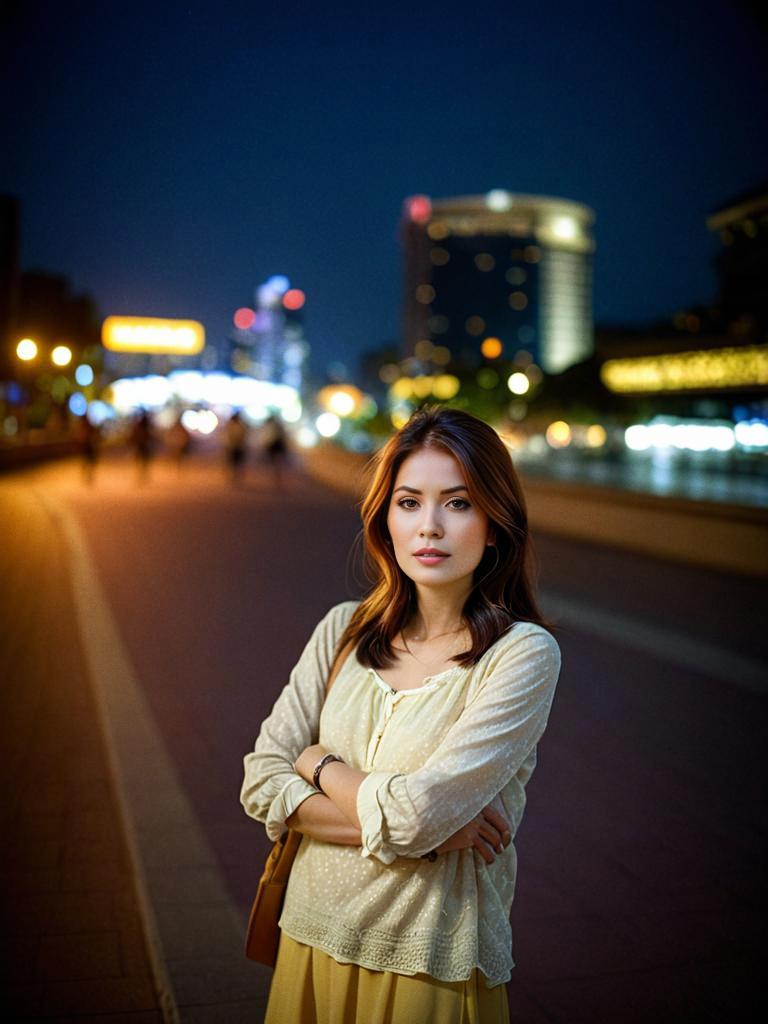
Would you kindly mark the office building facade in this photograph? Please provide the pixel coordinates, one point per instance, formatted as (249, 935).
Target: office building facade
(517, 268)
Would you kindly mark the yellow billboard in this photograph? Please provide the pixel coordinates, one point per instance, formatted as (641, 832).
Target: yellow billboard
(152, 335)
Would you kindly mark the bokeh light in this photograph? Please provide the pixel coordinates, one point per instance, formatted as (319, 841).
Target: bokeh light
(342, 403)
(595, 435)
(518, 383)
(61, 355)
(389, 373)
(558, 434)
(487, 378)
(294, 299)
(492, 348)
(564, 228)
(244, 318)
(26, 349)
(77, 404)
(485, 262)
(328, 424)
(446, 386)
(498, 199)
(419, 209)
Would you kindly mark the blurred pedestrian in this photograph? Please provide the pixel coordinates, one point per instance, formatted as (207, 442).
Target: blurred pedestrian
(408, 789)
(179, 442)
(142, 441)
(236, 445)
(88, 436)
(274, 444)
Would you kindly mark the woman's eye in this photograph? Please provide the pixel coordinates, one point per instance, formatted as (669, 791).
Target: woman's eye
(456, 503)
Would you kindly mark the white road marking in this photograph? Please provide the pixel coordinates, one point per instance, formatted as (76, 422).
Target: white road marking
(650, 638)
(195, 935)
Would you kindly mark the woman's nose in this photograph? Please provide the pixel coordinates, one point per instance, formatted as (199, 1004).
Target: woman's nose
(430, 524)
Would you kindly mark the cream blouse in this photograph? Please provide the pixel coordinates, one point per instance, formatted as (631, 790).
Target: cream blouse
(436, 755)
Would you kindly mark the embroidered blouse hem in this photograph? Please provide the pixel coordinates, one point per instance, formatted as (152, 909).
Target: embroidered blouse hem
(447, 959)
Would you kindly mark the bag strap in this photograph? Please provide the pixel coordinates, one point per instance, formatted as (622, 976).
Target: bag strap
(336, 667)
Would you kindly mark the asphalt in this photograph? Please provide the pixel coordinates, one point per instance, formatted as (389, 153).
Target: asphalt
(124, 883)
(73, 944)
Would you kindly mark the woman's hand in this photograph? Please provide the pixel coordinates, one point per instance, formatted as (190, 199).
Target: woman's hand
(489, 833)
(307, 759)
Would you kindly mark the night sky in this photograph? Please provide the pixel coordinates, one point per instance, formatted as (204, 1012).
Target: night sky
(170, 156)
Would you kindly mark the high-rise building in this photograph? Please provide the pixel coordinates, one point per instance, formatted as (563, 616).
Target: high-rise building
(268, 340)
(742, 263)
(517, 268)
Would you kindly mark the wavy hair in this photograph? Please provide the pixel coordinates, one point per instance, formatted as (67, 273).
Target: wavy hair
(502, 593)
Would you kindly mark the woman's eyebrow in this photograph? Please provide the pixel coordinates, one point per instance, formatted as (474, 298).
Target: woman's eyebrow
(414, 490)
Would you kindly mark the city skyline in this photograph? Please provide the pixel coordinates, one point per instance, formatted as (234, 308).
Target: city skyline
(168, 162)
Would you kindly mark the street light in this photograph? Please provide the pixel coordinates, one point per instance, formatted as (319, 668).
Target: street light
(61, 355)
(26, 350)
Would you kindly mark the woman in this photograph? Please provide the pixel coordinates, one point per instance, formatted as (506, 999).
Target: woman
(397, 908)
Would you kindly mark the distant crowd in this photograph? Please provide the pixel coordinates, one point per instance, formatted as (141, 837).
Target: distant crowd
(267, 443)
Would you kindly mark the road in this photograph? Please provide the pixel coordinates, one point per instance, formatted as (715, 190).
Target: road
(641, 852)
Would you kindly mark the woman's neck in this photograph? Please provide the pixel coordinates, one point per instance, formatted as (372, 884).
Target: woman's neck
(436, 614)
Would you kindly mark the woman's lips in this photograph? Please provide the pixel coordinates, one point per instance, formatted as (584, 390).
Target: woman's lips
(431, 559)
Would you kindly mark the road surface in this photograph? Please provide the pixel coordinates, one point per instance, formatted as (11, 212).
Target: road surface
(641, 851)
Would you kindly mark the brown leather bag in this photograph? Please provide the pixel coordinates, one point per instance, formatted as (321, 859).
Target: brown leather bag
(263, 933)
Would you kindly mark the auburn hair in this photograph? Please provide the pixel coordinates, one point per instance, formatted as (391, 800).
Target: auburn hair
(502, 593)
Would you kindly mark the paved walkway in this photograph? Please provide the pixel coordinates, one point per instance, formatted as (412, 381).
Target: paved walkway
(72, 942)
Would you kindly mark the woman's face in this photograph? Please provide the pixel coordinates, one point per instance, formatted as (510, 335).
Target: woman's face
(430, 509)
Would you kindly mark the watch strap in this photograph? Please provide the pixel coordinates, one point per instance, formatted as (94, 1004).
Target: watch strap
(326, 759)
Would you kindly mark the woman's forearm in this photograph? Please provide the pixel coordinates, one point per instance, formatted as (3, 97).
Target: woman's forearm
(319, 817)
(339, 781)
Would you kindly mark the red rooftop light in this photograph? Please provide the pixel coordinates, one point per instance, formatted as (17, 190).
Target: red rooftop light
(420, 209)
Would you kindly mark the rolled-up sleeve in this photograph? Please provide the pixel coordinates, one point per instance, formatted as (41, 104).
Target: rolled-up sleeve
(271, 789)
(406, 815)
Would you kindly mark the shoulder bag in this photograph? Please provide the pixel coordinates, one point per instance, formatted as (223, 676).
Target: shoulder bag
(263, 934)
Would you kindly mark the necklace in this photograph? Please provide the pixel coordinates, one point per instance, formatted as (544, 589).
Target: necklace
(426, 664)
(448, 632)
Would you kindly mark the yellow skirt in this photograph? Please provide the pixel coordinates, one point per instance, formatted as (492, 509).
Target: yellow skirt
(310, 987)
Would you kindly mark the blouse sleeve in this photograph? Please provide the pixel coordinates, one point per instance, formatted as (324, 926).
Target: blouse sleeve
(406, 815)
(271, 789)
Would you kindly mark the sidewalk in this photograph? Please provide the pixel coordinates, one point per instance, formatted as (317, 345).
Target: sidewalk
(72, 946)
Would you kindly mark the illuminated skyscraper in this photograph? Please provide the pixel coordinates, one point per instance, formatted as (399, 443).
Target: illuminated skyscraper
(269, 339)
(513, 267)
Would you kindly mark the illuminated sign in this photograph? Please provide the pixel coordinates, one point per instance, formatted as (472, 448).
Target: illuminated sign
(150, 335)
(740, 367)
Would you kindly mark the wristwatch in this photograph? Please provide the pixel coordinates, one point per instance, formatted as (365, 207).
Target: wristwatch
(326, 759)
